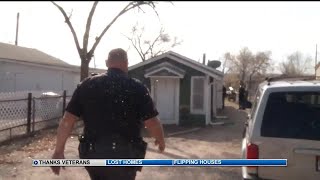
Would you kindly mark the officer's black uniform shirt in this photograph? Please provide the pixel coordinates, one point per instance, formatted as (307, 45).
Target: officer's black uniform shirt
(241, 93)
(112, 103)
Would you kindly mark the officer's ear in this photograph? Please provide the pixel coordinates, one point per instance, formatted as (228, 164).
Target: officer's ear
(107, 63)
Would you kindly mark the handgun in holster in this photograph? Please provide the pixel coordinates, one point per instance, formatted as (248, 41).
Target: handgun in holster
(85, 146)
(138, 151)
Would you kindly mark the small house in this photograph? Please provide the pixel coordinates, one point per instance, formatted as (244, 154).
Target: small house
(185, 92)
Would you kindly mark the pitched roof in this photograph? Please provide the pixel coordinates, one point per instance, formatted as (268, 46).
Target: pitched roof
(24, 54)
(184, 60)
(30, 55)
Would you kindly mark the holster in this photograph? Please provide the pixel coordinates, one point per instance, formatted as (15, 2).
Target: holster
(112, 147)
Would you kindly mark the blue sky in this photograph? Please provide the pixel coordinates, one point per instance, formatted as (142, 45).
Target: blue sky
(205, 27)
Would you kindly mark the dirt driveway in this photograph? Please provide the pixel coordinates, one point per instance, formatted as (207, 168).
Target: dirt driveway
(223, 141)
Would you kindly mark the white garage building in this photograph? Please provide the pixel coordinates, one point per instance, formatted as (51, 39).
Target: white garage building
(27, 69)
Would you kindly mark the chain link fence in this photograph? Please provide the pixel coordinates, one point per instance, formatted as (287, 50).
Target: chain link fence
(24, 113)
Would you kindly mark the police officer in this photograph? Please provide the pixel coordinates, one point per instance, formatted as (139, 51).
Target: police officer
(114, 109)
(224, 94)
(241, 95)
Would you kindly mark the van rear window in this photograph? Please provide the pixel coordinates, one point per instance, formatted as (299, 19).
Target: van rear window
(293, 115)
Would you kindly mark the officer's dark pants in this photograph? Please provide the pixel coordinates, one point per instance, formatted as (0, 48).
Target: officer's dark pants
(111, 173)
(223, 99)
(241, 104)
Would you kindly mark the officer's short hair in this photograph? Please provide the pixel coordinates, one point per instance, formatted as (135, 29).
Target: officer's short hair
(117, 55)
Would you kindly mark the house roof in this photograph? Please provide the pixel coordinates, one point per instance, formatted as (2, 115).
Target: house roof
(24, 54)
(164, 69)
(183, 60)
(29, 55)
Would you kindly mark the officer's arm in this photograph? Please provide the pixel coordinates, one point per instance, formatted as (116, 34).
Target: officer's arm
(64, 130)
(72, 113)
(155, 129)
(148, 113)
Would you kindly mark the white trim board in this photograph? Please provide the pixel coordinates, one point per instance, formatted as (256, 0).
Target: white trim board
(183, 60)
(173, 77)
(165, 64)
(149, 74)
(177, 101)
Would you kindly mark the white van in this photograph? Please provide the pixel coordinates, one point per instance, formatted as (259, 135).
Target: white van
(284, 123)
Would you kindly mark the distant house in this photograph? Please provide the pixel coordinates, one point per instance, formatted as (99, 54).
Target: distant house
(27, 69)
(184, 91)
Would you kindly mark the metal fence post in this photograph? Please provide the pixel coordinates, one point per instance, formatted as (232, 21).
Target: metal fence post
(64, 101)
(33, 113)
(29, 112)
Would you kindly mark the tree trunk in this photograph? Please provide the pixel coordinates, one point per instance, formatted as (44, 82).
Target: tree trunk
(84, 71)
(242, 78)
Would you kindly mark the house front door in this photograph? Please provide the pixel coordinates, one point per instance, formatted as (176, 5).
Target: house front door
(165, 98)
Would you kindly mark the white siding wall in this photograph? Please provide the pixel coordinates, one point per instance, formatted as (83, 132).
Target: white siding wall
(20, 77)
(318, 72)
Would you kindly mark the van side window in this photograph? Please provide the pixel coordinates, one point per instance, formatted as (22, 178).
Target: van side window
(293, 115)
(255, 103)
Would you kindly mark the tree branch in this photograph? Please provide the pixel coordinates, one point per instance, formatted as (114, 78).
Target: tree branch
(70, 14)
(88, 25)
(128, 7)
(67, 20)
(140, 48)
(176, 42)
(134, 44)
(153, 43)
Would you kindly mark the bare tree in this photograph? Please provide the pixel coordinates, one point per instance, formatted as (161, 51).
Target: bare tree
(227, 58)
(247, 65)
(151, 48)
(84, 52)
(260, 65)
(296, 64)
(241, 63)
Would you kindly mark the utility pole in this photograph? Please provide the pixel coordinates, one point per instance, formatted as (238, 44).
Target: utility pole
(17, 30)
(94, 61)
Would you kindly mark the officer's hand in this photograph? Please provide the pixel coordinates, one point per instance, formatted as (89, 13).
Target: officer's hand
(56, 169)
(161, 145)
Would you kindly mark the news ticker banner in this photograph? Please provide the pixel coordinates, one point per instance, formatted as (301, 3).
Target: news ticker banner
(158, 162)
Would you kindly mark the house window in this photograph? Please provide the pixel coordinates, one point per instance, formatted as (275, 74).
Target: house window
(197, 95)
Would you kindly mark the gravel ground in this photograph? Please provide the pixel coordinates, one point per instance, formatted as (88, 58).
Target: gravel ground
(223, 141)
